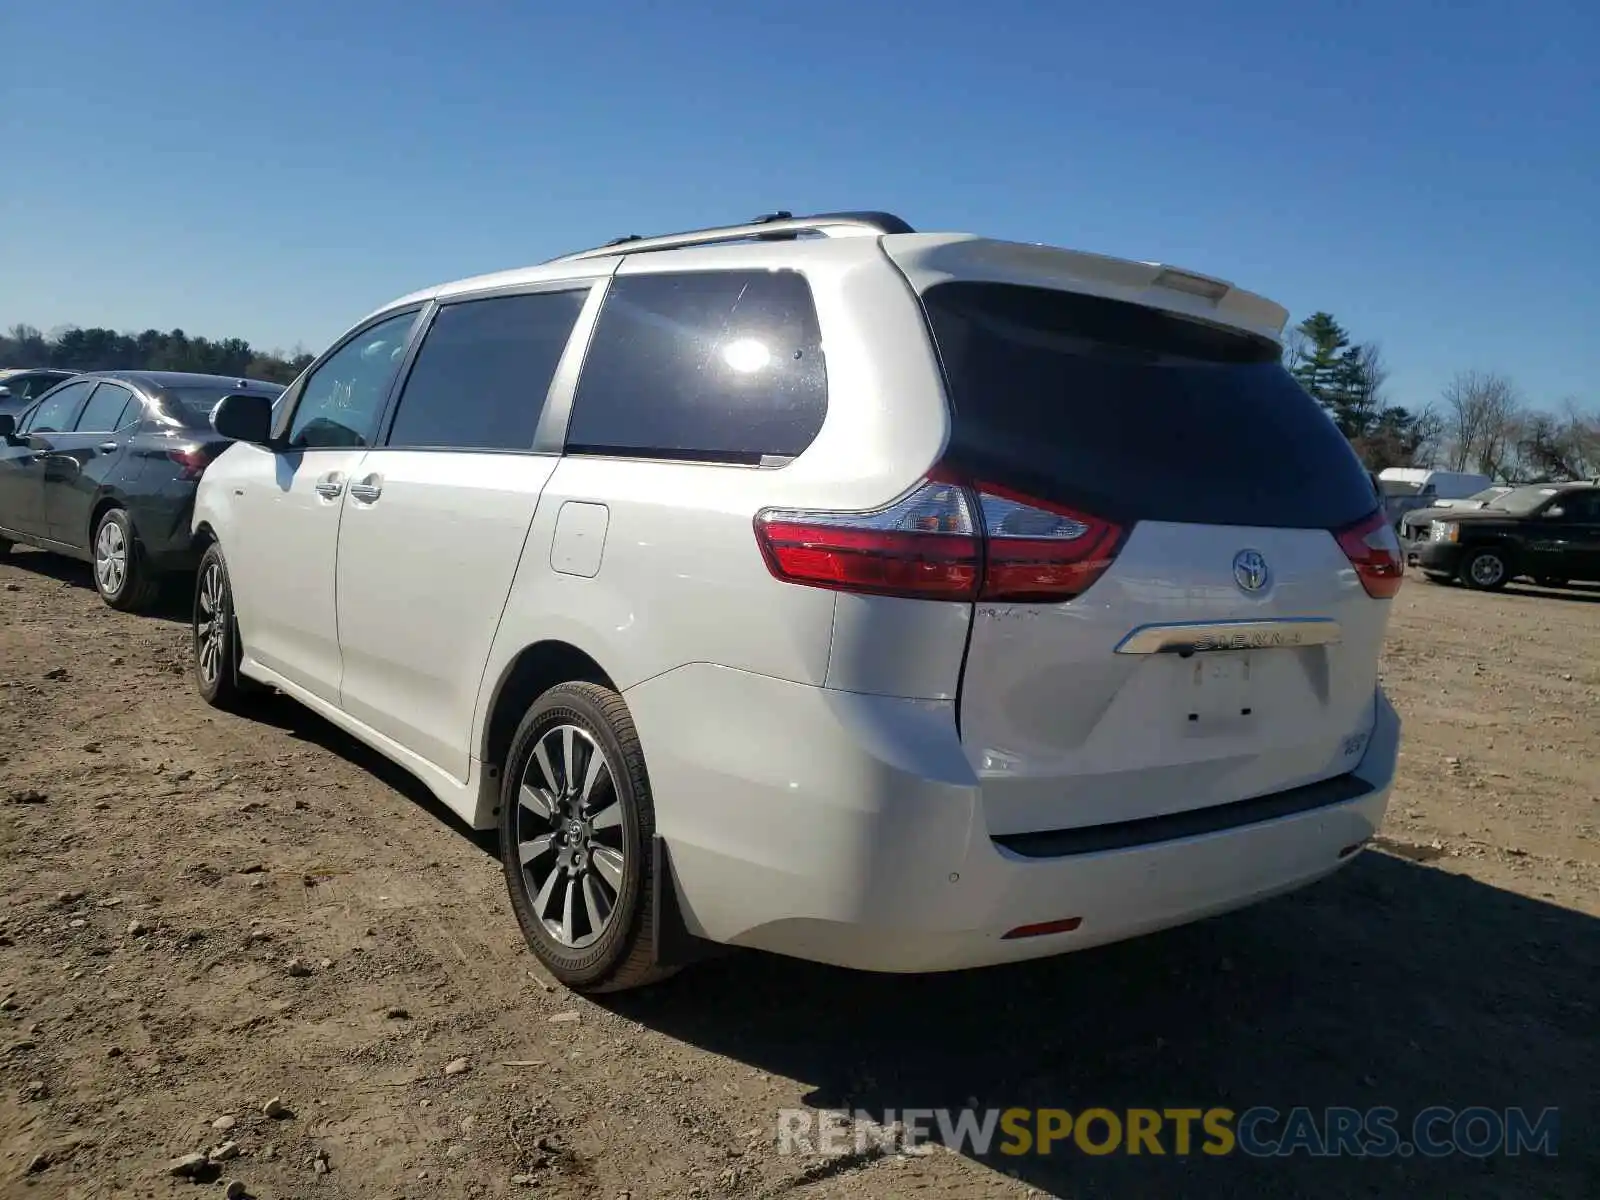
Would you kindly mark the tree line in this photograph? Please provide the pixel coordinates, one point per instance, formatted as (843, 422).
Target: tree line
(75, 349)
(1480, 421)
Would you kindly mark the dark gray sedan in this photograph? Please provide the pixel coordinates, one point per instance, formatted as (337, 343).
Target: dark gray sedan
(103, 468)
(20, 386)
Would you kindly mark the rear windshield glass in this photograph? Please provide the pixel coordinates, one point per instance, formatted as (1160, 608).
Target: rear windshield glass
(191, 406)
(1134, 414)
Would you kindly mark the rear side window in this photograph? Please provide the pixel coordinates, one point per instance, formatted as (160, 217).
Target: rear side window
(1133, 414)
(103, 413)
(718, 366)
(484, 369)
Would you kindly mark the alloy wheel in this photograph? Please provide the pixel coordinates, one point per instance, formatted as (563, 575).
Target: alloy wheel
(110, 557)
(211, 623)
(1487, 570)
(570, 838)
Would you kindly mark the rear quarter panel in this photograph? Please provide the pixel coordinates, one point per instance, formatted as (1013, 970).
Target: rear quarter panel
(681, 578)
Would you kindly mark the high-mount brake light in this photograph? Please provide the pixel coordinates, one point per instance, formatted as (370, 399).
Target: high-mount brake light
(1373, 549)
(944, 540)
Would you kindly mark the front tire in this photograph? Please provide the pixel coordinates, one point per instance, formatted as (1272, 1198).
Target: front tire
(577, 823)
(1551, 581)
(216, 638)
(1486, 571)
(1436, 577)
(122, 575)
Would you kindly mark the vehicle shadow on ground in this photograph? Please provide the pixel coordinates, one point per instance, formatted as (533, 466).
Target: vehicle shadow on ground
(304, 725)
(1391, 984)
(175, 603)
(1575, 593)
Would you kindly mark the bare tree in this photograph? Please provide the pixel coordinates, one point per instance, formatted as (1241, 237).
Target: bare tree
(1560, 446)
(1296, 347)
(1583, 433)
(1428, 433)
(1481, 413)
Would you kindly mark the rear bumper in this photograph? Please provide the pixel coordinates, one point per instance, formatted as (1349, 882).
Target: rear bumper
(847, 829)
(162, 520)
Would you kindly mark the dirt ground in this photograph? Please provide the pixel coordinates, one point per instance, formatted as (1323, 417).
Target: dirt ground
(162, 865)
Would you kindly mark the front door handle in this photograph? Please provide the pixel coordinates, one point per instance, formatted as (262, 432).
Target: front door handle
(330, 486)
(367, 490)
(109, 447)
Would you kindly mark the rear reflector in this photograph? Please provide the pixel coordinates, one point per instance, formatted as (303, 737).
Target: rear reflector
(1374, 551)
(1065, 925)
(944, 540)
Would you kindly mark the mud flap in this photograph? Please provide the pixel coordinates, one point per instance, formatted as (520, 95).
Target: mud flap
(674, 945)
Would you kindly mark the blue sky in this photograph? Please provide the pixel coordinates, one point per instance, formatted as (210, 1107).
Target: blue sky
(1429, 172)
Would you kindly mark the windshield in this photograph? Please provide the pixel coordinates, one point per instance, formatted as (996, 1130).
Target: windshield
(191, 406)
(1523, 500)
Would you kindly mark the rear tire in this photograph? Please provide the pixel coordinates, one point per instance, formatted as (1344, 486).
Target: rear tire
(5, 546)
(1486, 571)
(1551, 581)
(1437, 577)
(576, 837)
(215, 633)
(122, 575)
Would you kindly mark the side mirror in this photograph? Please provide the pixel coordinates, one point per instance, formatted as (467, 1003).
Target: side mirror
(1557, 511)
(5, 392)
(242, 417)
(8, 426)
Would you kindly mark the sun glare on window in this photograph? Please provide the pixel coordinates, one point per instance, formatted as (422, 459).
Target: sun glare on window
(746, 355)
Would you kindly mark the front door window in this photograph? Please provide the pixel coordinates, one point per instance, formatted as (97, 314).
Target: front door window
(343, 399)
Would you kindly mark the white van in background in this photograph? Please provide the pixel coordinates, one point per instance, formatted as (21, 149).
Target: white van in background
(1406, 489)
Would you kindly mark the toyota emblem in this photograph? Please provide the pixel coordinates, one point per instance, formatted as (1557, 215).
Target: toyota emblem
(1250, 570)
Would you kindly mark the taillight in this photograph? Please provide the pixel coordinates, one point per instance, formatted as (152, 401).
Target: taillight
(1036, 550)
(1374, 551)
(191, 461)
(944, 540)
(922, 545)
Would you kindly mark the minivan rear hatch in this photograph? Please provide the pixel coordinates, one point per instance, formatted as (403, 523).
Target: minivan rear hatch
(1225, 646)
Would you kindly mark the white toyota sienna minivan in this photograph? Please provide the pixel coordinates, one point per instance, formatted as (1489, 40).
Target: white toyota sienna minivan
(901, 601)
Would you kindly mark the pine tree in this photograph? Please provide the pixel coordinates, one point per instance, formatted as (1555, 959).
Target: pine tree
(1320, 370)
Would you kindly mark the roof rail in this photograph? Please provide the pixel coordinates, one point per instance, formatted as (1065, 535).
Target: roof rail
(778, 226)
